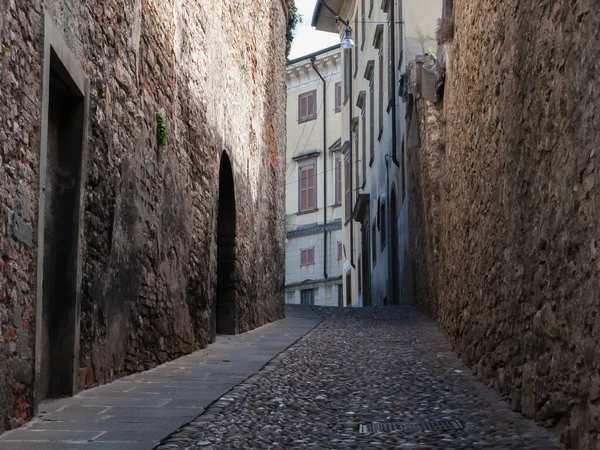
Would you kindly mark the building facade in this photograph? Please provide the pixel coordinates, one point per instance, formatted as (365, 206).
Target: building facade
(387, 35)
(314, 248)
(141, 186)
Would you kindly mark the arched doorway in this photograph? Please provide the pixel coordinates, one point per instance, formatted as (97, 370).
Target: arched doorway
(394, 246)
(226, 251)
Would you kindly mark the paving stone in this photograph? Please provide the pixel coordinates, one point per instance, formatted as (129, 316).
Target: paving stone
(360, 366)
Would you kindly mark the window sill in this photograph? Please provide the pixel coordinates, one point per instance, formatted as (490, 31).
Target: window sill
(307, 120)
(336, 205)
(338, 110)
(306, 265)
(302, 213)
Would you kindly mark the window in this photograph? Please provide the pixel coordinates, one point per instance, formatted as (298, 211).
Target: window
(307, 297)
(340, 251)
(307, 109)
(307, 180)
(371, 123)
(338, 96)
(338, 179)
(362, 25)
(347, 193)
(307, 256)
(364, 150)
(374, 243)
(382, 226)
(380, 93)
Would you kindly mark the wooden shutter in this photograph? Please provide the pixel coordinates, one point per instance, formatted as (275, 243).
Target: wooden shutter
(371, 123)
(311, 256)
(340, 251)
(364, 150)
(310, 187)
(302, 257)
(380, 91)
(338, 96)
(310, 107)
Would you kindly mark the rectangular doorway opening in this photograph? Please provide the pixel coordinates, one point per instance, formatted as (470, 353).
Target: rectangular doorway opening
(60, 220)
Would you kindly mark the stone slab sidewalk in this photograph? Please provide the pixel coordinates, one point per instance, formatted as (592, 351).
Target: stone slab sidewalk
(138, 411)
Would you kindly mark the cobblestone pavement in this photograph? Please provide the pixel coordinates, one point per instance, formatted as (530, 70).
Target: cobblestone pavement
(361, 366)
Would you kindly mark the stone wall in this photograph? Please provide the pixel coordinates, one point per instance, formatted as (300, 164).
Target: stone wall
(215, 69)
(505, 227)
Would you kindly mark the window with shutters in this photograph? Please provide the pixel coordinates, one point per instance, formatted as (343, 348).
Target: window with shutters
(380, 93)
(307, 256)
(340, 251)
(307, 183)
(338, 96)
(371, 123)
(347, 193)
(362, 24)
(307, 106)
(338, 180)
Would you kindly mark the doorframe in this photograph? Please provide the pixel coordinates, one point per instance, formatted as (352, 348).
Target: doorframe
(56, 48)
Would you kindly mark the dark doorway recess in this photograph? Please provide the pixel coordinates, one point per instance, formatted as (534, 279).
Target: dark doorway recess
(226, 251)
(59, 313)
(395, 271)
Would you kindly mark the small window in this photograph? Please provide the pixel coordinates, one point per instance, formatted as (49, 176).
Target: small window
(338, 96)
(307, 180)
(340, 251)
(307, 109)
(307, 256)
(338, 180)
(382, 226)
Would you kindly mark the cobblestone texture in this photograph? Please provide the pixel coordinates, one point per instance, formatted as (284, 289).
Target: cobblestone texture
(361, 366)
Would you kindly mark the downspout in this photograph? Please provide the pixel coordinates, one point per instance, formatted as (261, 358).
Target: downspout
(393, 81)
(388, 234)
(312, 61)
(350, 139)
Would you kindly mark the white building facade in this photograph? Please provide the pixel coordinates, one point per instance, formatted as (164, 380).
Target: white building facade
(388, 35)
(314, 247)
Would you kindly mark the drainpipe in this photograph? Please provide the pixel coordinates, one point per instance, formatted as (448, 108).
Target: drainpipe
(312, 61)
(388, 234)
(350, 139)
(393, 82)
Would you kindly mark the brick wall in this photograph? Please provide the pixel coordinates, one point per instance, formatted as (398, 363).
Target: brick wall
(148, 265)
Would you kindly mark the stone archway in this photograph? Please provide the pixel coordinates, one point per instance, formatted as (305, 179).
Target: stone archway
(225, 311)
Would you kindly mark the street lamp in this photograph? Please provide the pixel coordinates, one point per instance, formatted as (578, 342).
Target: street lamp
(348, 42)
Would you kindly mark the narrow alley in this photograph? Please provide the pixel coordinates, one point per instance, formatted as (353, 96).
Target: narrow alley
(349, 373)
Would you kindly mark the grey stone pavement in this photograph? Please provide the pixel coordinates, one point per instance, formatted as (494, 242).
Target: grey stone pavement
(138, 411)
(344, 383)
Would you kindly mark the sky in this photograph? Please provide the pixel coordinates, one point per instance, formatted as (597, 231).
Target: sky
(306, 38)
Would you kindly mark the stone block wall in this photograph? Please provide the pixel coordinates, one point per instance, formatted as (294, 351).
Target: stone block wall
(215, 69)
(505, 225)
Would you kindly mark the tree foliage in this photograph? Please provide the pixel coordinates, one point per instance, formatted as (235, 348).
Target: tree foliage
(294, 20)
